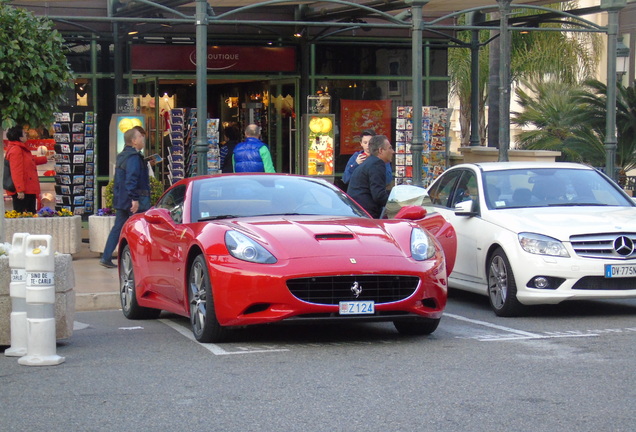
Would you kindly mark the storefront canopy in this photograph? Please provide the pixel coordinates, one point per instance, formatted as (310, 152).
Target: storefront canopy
(174, 21)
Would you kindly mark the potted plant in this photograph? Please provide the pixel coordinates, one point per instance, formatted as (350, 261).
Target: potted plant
(65, 227)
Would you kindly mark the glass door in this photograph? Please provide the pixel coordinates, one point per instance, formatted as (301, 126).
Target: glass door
(283, 125)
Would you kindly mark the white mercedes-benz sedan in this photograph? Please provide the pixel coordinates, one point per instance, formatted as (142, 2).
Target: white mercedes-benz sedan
(537, 233)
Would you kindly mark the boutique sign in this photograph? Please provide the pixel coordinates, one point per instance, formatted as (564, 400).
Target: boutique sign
(219, 58)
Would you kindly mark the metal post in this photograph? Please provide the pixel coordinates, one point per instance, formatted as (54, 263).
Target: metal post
(613, 8)
(610, 118)
(474, 19)
(504, 81)
(117, 60)
(201, 23)
(94, 72)
(418, 140)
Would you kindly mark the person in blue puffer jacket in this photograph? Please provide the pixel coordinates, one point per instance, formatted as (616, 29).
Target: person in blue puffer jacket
(252, 155)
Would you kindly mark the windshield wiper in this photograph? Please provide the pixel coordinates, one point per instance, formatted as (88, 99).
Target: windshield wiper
(209, 218)
(576, 204)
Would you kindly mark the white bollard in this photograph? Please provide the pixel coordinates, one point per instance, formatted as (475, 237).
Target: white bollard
(40, 301)
(17, 292)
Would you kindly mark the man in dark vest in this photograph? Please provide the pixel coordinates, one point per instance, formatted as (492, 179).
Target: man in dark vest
(252, 155)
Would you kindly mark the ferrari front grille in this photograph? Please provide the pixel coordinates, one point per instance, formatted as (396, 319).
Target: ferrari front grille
(334, 289)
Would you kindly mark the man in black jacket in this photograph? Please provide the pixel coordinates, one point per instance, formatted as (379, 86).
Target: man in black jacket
(368, 182)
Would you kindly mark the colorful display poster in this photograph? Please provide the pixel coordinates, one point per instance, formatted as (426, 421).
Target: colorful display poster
(358, 115)
(123, 122)
(319, 141)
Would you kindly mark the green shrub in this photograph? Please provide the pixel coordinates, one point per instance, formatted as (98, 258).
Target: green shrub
(156, 190)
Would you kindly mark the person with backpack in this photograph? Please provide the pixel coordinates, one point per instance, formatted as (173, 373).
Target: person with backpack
(131, 189)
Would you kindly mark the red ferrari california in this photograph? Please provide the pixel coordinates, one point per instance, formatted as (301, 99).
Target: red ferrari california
(235, 250)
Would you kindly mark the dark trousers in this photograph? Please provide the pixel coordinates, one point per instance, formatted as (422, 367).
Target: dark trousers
(121, 216)
(28, 204)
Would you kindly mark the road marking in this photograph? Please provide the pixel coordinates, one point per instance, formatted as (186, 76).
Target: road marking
(519, 334)
(213, 348)
(79, 325)
(491, 325)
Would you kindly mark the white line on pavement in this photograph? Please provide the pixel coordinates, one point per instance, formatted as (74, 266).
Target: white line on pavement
(522, 335)
(213, 348)
(491, 325)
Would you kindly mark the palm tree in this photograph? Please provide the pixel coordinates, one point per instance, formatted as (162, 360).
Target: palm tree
(560, 122)
(593, 97)
(534, 56)
(551, 117)
(459, 69)
(572, 119)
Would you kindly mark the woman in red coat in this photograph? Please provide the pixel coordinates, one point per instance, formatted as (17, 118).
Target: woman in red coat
(23, 171)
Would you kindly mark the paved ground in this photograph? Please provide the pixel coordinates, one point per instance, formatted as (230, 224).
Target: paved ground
(96, 287)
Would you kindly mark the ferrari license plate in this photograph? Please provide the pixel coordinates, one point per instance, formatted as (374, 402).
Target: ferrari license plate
(620, 270)
(357, 307)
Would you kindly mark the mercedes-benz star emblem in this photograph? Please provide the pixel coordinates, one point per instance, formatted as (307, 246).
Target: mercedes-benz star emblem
(623, 246)
(356, 289)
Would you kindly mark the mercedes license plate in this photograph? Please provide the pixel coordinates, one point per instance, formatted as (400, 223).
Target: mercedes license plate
(620, 270)
(357, 307)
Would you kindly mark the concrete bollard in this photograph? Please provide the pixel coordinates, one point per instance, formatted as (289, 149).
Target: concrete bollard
(40, 301)
(17, 292)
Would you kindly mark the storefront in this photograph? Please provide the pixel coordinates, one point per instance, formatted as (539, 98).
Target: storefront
(246, 84)
(262, 85)
(270, 86)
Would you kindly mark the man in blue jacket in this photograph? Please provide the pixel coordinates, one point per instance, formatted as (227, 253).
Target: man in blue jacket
(368, 182)
(360, 156)
(131, 186)
(252, 155)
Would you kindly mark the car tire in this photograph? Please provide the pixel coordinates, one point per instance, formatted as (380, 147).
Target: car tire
(417, 326)
(127, 291)
(205, 326)
(502, 288)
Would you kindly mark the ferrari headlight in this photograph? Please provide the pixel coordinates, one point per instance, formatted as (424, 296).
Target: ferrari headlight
(246, 249)
(542, 245)
(422, 247)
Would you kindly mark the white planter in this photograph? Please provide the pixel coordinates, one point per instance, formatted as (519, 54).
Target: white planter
(98, 229)
(66, 231)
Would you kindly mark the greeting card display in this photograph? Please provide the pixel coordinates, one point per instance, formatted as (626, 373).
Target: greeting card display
(176, 148)
(74, 160)
(435, 125)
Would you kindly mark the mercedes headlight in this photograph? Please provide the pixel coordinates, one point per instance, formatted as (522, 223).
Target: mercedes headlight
(244, 248)
(422, 247)
(542, 245)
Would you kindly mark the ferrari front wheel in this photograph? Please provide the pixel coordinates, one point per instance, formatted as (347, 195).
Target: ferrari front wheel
(205, 326)
(416, 326)
(127, 290)
(502, 288)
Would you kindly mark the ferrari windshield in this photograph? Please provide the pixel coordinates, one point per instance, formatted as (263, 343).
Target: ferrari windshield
(547, 187)
(263, 195)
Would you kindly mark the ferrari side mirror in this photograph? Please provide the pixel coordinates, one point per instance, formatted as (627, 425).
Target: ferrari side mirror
(412, 212)
(157, 215)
